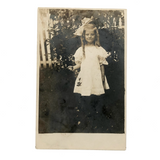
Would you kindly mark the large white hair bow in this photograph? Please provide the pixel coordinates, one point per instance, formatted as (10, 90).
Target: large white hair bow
(85, 21)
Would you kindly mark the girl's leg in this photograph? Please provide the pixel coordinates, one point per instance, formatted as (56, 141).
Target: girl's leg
(85, 113)
(99, 104)
(98, 115)
(78, 107)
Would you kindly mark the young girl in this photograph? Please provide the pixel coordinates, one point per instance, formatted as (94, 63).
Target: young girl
(90, 58)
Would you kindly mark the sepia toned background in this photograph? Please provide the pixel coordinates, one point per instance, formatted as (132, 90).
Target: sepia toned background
(58, 107)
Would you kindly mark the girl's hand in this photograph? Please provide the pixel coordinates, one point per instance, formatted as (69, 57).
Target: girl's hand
(109, 53)
(70, 68)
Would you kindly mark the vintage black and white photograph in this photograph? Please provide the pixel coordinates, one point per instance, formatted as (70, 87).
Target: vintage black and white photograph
(81, 71)
(80, 80)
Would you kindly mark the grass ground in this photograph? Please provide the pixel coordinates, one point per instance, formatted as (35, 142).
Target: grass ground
(62, 111)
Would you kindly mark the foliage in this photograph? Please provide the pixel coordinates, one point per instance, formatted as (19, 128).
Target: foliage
(64, 22)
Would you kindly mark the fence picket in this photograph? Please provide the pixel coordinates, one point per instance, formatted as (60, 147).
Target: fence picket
(47, 38)
(38, 49)
(120, 22)
(42, 46)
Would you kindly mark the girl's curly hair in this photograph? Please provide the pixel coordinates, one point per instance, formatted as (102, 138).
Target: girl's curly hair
(83, 41)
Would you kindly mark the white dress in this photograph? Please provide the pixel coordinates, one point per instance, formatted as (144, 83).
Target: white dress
(89, 80)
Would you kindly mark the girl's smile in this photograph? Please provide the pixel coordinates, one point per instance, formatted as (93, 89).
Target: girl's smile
(90, 36)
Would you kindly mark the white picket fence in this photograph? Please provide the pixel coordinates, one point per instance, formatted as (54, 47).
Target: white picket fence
(44, 23)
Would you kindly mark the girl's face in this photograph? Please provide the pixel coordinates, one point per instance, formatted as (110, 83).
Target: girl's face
(90, 36)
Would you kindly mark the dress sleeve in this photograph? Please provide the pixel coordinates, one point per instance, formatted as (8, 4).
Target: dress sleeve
(78, 55)
(102, 56)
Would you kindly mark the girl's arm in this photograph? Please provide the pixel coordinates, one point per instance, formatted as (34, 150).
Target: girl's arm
(102, 72)
(72, 68)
